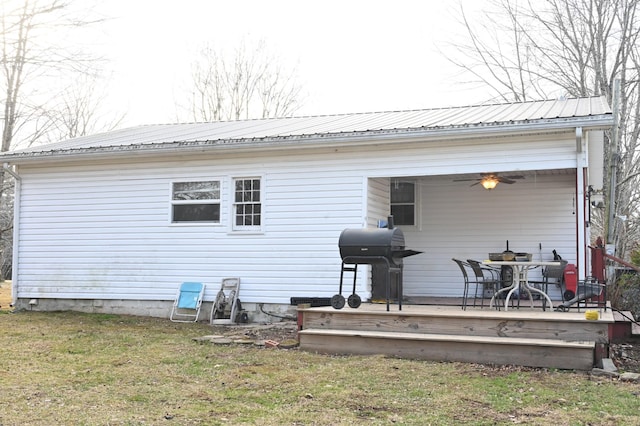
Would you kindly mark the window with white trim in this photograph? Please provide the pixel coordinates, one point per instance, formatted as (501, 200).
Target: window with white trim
(403, 202)
(247, 204)
(197, 201)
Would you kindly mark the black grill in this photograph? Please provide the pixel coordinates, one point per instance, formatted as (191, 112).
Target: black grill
(372, 246)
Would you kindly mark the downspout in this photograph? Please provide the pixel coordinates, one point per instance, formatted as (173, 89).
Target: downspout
(614, 156)
(610, 241)
(580, 204)
(16, 231)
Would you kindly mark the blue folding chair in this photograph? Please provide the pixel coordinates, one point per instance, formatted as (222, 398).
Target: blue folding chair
(186, 307)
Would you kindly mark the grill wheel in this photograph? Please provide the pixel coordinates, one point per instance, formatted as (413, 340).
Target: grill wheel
(337, 301)
(354, 301)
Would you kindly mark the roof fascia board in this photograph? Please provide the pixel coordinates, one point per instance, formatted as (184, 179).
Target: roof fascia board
(365, 138)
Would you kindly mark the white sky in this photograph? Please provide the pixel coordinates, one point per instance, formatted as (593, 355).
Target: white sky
(350, 55)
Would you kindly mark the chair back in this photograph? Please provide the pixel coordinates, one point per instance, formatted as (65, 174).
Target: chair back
(477, 268)
(463, 268)
(190, 295)
(555, 272)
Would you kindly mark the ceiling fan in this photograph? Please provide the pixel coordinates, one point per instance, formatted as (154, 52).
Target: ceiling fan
(491, 180)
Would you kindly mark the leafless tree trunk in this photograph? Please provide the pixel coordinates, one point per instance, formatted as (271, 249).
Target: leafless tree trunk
(247, 84)
(36, 60)
(554, 48)
(33, 62)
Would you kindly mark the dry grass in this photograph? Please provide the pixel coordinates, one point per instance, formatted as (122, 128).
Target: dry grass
(5, 295)
(81, 369)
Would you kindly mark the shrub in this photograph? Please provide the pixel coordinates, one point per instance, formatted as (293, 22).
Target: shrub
(624, 293)
(635, 257)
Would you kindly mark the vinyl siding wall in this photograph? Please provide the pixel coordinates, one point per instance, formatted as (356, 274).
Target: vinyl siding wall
(103, 231)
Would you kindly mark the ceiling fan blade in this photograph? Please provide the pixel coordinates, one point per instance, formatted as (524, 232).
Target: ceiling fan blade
(474, 184)
(503, 179)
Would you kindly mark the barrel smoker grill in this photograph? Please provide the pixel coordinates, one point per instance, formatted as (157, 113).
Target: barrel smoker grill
(372, 246)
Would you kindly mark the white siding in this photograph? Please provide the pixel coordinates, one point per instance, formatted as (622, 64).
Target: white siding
(595, 151)
(378, 197)
(103, 231)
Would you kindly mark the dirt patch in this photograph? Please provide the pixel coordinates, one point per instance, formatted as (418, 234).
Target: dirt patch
(277, 332)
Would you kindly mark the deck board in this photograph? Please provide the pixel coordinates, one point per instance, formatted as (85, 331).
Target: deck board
(455, 312)
(448, 338)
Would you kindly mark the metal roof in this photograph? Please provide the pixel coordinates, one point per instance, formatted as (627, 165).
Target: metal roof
(555, 114)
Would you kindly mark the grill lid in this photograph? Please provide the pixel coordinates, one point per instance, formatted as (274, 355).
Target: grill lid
(373, 243)
(372, 237)
(369, 244)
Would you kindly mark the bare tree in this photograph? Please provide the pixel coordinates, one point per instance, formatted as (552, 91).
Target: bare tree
(77, 112)
(551, 48)
(247, 84)
(34, 60)
(279, 94)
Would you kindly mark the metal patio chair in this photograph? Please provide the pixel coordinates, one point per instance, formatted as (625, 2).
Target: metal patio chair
(487, 279)
(470, 280)
(186, 307)
(465, 292)
(551, 275)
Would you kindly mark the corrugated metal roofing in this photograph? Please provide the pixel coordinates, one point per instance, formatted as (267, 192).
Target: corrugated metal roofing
(585, 110)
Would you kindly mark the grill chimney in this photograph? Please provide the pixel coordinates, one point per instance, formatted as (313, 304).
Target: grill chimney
(390, 224)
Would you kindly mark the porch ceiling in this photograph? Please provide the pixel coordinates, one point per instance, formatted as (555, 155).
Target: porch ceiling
(525, 173)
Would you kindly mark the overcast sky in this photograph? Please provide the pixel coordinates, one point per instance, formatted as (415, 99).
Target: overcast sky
(350, 55)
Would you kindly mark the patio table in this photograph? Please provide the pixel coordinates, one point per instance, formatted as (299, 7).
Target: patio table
(520, 280)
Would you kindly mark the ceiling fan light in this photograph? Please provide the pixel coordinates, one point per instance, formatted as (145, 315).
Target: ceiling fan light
(489, 183)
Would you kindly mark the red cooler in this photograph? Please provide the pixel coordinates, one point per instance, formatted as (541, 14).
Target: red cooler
(570, 281)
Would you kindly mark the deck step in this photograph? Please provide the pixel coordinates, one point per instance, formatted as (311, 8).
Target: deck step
(622, 316)
(562, 326)
(623, 327)
(530, 352)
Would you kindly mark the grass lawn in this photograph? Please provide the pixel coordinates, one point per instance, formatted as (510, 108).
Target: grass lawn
(92, 369)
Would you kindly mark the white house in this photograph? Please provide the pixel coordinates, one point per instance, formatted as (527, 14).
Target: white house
(115, 222)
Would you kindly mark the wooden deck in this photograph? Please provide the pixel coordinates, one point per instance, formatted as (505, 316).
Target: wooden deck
(524, 336)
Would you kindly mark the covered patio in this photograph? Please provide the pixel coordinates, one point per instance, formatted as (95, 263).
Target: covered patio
(454, 217)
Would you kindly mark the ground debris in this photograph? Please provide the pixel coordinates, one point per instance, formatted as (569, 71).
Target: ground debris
(208, 338)
(626, 356)
(604, 373)
(630, 377)
(281, 335)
